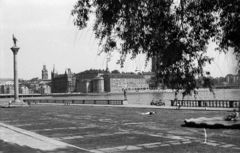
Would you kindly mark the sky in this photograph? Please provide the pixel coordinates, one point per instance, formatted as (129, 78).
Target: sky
(46, 36)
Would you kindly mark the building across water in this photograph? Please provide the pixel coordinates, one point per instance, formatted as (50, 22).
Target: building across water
(6, 86)
(118, 82)
(98, 81)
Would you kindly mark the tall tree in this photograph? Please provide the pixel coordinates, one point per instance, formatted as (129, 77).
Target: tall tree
(176, 32)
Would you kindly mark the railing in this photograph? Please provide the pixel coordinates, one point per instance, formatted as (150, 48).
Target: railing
(228, 87)
(75, 101)
(21, 95)
(207, 103)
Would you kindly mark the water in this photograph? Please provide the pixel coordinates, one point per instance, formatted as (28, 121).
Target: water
(146, 98)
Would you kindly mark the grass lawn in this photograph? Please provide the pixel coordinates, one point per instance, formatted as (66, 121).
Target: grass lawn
(113, 128)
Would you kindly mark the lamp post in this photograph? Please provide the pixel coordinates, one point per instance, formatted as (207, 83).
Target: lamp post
(16, 100)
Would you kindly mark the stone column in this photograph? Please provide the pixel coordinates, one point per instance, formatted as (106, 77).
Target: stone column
(15, 51)
(16, 100)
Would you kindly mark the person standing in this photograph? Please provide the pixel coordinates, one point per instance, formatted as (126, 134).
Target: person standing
(195, 94)
(9, 103)
(125, 94)
(176, 95)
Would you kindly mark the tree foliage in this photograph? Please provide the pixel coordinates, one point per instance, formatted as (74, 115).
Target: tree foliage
(115, 72)
(176, 32)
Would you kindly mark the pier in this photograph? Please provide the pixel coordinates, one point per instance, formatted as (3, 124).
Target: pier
(207, 103)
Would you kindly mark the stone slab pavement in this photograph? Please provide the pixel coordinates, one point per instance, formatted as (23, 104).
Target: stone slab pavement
(13, 139)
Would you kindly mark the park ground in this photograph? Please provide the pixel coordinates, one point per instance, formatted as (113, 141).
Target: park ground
(115, 129)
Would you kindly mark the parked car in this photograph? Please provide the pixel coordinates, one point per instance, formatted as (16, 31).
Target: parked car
(157, 103)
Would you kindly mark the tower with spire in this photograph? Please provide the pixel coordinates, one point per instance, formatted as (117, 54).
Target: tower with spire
(44, 73)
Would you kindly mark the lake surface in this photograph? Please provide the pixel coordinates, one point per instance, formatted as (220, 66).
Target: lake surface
(145, 98)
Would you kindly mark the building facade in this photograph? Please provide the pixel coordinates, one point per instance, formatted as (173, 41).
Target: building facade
(118, 82)
(98, 81)
(97, 84)
(233, 79)
(6, 86)
(45, 89)
(23, 90)
(63, 83)
(84, 80)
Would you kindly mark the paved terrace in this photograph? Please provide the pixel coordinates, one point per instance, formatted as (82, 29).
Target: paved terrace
(110, 128)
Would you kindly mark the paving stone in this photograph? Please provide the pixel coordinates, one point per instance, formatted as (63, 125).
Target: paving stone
(175, 137)
(227, 145)
(19, 125)
(122, 132)
(176, 143)
(133, 148)
(132, 123)
(104, 120)
(91, 135)
(72, 128)
(171, 141)
(136, 132)
(106, 149)
(148, 144)
(163, 145)
(121, 148)
(96, 151)
(222, 143)
(105, 134)
(72, 137)
(151, 146)
(190, 137)
(155, 135)
(199, 140)
(185, 140)
(211, 141)
(212, 144)
(238, 148)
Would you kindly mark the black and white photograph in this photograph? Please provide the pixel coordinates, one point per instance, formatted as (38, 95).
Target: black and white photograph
(119, 76)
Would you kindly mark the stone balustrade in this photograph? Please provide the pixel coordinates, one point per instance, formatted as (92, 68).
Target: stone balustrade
(76, 101)
(207, 103)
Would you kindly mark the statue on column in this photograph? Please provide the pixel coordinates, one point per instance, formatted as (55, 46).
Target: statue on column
(15, 41)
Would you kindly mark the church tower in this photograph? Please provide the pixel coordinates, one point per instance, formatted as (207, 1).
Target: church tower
(44, 73)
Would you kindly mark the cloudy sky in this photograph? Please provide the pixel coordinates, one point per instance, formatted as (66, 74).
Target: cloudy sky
(46, 36)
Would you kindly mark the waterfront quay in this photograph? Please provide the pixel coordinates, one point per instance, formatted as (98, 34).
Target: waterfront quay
(20, 95)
